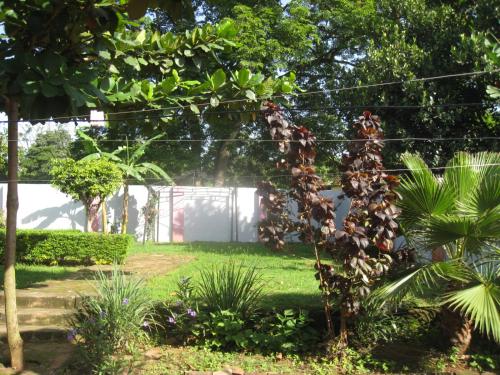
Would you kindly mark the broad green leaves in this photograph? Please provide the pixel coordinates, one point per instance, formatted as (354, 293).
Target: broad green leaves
(86, 180)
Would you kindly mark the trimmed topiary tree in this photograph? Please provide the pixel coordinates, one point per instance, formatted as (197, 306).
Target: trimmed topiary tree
(89, 182)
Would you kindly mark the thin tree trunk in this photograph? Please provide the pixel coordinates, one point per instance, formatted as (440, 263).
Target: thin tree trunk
(342, 342)
(125, 209)
(223, 156)
(104, 213)
(88, 219)
(13, 335)
(91, 211)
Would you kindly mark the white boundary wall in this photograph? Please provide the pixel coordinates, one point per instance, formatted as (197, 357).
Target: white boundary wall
(186, 213)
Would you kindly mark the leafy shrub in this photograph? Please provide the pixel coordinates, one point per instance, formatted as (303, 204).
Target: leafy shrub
(224, 330)
(231, 288)
(285, 332)
(68, 247)
(208, 325)
(112, 322)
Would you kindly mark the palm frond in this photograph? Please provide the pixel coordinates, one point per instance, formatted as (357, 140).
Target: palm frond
(476, 234)
(423, 194)
(481, 301)
(460, 175)
(430, 276)
(484, 199)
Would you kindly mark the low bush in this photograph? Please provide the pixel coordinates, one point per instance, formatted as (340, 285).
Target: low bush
(231, 287)
(109, 326)
(68, 247)
(208, 325)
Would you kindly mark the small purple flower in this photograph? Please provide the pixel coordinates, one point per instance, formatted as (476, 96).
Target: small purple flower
(191, 313)
(71, 334)
(145, 324)
(171, 320)
(125, 301)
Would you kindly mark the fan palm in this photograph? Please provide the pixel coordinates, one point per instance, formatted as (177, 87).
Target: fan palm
(129, 161)
(460, 214)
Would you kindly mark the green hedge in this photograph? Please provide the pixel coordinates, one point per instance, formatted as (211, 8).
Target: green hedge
(67, 247)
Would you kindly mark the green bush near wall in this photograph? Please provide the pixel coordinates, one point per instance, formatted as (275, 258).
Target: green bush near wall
(68, 247)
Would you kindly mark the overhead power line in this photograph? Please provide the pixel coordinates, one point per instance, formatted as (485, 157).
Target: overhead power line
(332, 140)
(315, 92)
(145, 116)
(338, 174)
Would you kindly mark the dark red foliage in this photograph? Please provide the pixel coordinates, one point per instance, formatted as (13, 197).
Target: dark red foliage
(274, 226)
(299, 146)
(361, 249)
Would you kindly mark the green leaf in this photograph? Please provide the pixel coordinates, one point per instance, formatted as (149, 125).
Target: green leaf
(179, 61)
(132, 61)
(243, 76)
(218, 79)
(50, 91)
(250, 95)
(141, 37)
(113, 69)
(481, 302)
(430, 276)
(157, 171)
(286, 87)
(422, 193)
(195, 109)
(105, 54)
(75, 95)
(214, 101)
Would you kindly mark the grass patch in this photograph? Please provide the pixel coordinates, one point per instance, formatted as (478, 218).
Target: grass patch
(28, 275)
(175, 361)
(288, 275)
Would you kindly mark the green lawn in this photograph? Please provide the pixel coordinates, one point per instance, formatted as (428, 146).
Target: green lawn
(288, 274)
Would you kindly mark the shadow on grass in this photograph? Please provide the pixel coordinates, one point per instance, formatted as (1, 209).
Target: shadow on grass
(30, 277)
(230, 248)
(296, 301)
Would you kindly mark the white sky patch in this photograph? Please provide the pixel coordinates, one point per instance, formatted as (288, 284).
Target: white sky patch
(29, 132)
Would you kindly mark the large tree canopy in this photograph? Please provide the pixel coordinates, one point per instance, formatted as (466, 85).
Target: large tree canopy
(341, 43)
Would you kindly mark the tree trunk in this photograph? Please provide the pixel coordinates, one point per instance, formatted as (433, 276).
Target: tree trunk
(104, 213)
(223, 156)
(457, 330)
(91, 210)
(125, 209)
(88, 217)
(342, 342)
(13, 336)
